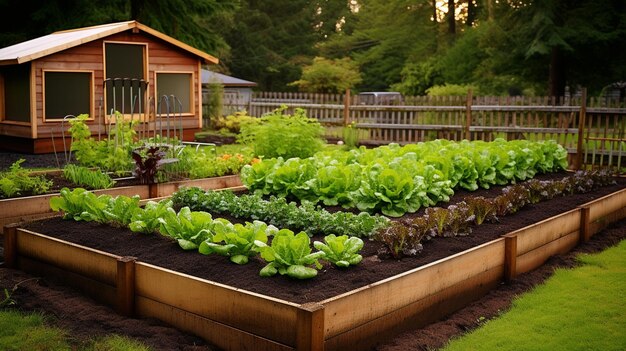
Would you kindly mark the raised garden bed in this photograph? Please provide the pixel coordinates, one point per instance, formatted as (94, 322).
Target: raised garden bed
(284, 314)
(38, 206)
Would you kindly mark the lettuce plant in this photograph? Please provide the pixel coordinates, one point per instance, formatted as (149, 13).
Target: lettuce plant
(341, 250)
(290, 255)
(119, 210)
(146, 219)
(236, 241)
(401, 239)
(188, 228)
(71, 203)
(481, 208)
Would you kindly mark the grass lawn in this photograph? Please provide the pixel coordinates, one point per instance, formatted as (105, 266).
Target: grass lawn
(20, 331)
(576, 309)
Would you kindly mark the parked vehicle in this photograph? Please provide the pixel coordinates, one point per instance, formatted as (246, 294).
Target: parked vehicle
(380, 98)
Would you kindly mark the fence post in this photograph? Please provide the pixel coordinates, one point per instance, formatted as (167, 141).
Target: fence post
(468, 115)
(346, 108)
(581, 129)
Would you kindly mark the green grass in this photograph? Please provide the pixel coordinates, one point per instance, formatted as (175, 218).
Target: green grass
(576, 309)
(21, 331)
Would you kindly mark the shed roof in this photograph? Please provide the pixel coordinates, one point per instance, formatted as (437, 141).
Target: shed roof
(227, 81)
(58, 41)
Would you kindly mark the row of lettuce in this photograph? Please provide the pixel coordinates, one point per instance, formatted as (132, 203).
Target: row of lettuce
(291, 254)
(288, 254)
(396, 179)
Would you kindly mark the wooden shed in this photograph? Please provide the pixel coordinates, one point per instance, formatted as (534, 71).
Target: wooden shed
(125, 67)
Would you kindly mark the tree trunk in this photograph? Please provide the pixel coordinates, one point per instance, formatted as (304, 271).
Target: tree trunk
(471, 13)
(451, 19)
(556, 82)
(434, 2)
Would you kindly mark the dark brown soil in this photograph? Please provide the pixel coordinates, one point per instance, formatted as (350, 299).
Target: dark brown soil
(330, 282)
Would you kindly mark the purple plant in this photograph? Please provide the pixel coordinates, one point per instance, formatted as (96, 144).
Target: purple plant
(148, 161)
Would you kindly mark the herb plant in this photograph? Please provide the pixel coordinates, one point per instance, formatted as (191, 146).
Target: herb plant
(85, 177)
(17, 181)
(148, 161)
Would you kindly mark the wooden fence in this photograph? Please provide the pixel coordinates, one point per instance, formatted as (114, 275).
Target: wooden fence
(600, 122)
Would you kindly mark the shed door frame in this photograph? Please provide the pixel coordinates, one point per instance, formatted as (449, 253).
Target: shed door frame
(144, 75)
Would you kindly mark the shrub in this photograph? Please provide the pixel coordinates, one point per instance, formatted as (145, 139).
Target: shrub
(283, 135)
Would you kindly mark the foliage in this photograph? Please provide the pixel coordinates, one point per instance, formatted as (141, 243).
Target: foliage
(289, 254)
(236, 241)
(148, 161)
(214, 105)
(343, 251)
(83, 176)
(450, 90)
(112, 154)
(283, 135)
(232, 123)
(401, 240)
(404, 237)
(333, 76)
(279, 212)
(396, 180)
(482, 209)
(146, 219)
(204, 163)
(17, 181)
(188, 228)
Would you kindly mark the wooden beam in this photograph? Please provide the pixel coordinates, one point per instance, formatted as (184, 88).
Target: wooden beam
(510, 257)
(543, 232)
(125, 283)
(585, 224)
(536, 257)
(310, 327)
(10, 245)
(581, 129)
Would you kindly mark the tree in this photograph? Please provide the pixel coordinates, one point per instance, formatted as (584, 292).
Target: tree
(329, 76)
(194, 22)
(271, 41)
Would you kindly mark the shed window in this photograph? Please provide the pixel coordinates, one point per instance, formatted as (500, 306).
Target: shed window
(178, 85)
(67, 93)
(125, 66)
(15, 93)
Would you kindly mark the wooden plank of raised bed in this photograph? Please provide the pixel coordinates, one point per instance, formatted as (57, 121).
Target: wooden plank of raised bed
(550, 229)
(31, 205)
(82, 260)
(535, 258)
(166, 189)
(408, 287)
(254, 313)
(221, 335)
(606, 204)
(597, 225)
(95, 289)
(417, 314)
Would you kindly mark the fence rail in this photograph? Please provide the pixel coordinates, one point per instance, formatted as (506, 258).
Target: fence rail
(592, 130)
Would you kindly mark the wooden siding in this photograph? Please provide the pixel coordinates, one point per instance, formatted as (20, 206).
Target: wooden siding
(161, 56)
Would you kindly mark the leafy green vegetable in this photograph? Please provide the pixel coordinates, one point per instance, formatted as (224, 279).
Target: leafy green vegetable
(188, 228)
(146, 219)
(236, 241)
(71, 203)
(341, 250)
(119, 210)
(289, 254)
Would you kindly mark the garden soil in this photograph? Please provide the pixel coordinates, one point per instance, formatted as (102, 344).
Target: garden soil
(86, 319)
